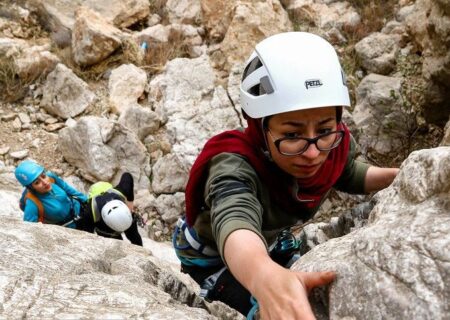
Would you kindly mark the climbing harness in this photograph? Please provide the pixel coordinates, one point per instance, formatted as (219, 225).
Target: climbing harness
(209, 283)
(192, 240)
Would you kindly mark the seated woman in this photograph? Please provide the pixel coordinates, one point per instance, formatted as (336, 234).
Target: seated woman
(109, 211)
(47, 198)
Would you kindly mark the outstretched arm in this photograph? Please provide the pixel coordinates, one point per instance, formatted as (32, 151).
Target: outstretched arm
(281, 293)
(379, 178)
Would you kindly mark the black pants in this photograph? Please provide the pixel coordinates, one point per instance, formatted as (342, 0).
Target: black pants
(227, 289)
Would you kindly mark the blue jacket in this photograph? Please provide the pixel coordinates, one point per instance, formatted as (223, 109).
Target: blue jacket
(57, 203)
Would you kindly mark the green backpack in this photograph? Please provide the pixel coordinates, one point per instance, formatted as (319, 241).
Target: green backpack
(98, 188)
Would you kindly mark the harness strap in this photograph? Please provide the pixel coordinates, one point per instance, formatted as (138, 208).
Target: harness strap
(191, 237)
(38, 203)
(30, 195)
(210, 282)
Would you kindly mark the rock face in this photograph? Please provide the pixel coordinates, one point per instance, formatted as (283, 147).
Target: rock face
(430, 27)
(397, 266)
(50, 272)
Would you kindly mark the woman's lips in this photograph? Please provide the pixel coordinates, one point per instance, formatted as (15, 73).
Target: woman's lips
(308, 168)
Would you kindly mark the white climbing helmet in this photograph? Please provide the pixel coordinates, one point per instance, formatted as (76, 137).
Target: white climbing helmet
(292, 71)
(117, 215)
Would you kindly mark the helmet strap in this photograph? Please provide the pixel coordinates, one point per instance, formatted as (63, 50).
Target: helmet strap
(266, 152)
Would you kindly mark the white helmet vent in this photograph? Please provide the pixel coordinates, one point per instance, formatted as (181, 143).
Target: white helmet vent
(251, 66)
(263, 86)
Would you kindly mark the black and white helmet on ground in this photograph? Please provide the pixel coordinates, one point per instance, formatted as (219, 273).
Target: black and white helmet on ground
(117, 215)
(292, 71)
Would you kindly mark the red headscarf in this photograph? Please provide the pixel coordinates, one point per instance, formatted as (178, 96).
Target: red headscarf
(251, 144)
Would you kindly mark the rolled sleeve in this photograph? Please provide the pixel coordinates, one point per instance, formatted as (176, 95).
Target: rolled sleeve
(231, 193)
(353, 177)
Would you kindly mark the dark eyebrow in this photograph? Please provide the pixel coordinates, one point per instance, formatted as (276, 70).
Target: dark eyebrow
(327, 120)
(300, 124)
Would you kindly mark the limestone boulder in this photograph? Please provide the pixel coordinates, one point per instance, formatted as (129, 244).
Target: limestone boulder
(397, 266)
(184, 11)
(378, 52)
(381, 122)
(103, 150)
(169, 174)
(93, 37)
(141, 120)
(325, 15)
(64, 94)
(10, 192)
(84, 145)
(170, 207)
(165, 42)
(126, 85)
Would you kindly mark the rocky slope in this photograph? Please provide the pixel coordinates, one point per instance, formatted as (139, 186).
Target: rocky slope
(94, 88)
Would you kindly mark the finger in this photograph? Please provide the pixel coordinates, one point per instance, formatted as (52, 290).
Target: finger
(315, 279)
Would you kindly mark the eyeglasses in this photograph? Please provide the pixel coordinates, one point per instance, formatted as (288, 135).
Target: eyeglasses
(292, 146)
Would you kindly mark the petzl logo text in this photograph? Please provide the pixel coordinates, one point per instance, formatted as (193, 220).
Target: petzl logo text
(313, 83)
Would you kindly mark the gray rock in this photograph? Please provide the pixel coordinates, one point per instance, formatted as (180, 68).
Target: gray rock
(85, 146)
(169, 174)
(379, 115)
(49, 272)
(64, 94)
(378, 52)
(19, 155)
(170, 206)
(126, 84)
(140, 120)
(396, 267)
(93, 38)
(184, 11)
(103, 150)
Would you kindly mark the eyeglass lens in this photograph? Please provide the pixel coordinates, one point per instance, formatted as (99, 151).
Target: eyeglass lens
(300, 145)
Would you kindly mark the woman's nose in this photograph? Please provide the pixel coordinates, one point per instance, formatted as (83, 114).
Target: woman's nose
(312, 152)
